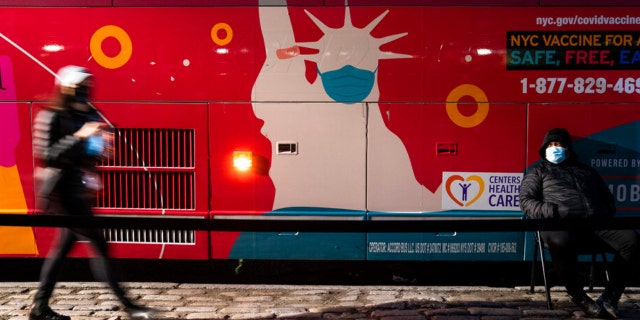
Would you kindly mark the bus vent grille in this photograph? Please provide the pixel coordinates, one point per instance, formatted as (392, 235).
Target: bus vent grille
(150, 236)
(147, 190)
(149, 169)
(152, 148)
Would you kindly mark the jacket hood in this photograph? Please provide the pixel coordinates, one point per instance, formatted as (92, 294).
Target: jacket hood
(560, 135)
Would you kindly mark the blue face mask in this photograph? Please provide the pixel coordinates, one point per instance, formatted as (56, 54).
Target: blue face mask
(556, 154)
(348, 84)
(95, 145)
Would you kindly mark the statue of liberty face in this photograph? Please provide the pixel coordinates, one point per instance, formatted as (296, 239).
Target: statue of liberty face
(327, 119)
(347, 58)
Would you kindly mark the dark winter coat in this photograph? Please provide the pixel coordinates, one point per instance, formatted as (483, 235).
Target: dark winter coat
(568, 190)
(56, 147)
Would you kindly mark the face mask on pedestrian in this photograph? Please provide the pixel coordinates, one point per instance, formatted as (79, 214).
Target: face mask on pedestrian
(556, 154)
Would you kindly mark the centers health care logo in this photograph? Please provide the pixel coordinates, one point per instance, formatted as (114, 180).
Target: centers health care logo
(481, 191)
(473, 184)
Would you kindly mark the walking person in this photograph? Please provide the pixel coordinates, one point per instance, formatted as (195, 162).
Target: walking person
(561, 188)
(69, 137)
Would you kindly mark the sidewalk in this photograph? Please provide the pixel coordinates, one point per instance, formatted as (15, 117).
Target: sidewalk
(94, 301)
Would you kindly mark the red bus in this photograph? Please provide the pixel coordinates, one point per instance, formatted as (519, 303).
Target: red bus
(310, 109)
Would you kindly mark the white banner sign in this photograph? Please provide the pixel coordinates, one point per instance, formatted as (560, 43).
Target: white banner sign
(481, 190)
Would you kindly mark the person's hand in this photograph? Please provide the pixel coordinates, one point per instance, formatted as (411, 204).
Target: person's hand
(89, 129)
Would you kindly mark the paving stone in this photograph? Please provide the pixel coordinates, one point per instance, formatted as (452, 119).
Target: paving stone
(446, 312)
(286, 311)
(545, 313)
(330, 315)
(95, 307)
(190, 309)
(332, 309)
(263, 315)
(23, 297)
(422, 296)
(305, 298)
(142, 292)
(240, 309)
(350, 304)
(166, 297)
(254, 299)
(4, 308)
(168, 305)
(186, 292)
(389, 305)
(349, 298)
(205, 316)
(454, 318)
(393, 313)
(94, 301)
(416, 317)
(86, 300)
(494, 311)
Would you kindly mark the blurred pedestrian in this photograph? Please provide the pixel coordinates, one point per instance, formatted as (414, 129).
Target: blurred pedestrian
(69, 137)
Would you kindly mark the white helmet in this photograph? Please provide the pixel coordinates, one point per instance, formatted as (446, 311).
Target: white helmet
(71, 76)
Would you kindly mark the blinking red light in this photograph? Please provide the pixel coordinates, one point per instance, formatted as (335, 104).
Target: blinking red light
(242, 160)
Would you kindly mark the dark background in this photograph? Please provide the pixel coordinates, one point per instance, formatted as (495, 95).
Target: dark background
(440, 273)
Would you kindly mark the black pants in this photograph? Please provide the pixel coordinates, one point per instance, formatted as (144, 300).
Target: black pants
(564, 247)
(100, 265)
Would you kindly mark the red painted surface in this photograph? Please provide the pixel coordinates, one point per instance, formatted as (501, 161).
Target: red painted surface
(177, 76)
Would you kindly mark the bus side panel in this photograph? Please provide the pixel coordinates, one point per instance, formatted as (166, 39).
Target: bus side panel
(235, 130)
(316, 171)
(158, 168)
(474, 168)
(16, 170)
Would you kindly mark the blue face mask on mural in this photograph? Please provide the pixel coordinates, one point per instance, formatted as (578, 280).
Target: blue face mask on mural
(556, 154)
(348, 84)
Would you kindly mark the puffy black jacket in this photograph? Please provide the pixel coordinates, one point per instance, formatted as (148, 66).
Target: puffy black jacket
(55, 145)
(566, 190)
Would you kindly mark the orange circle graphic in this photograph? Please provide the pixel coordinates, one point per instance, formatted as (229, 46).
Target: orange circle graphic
(126, 47)
(452, 105)
(214, 34)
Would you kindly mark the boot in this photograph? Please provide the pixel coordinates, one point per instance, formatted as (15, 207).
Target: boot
(609, 302)
(590, 307)
(45, 313)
